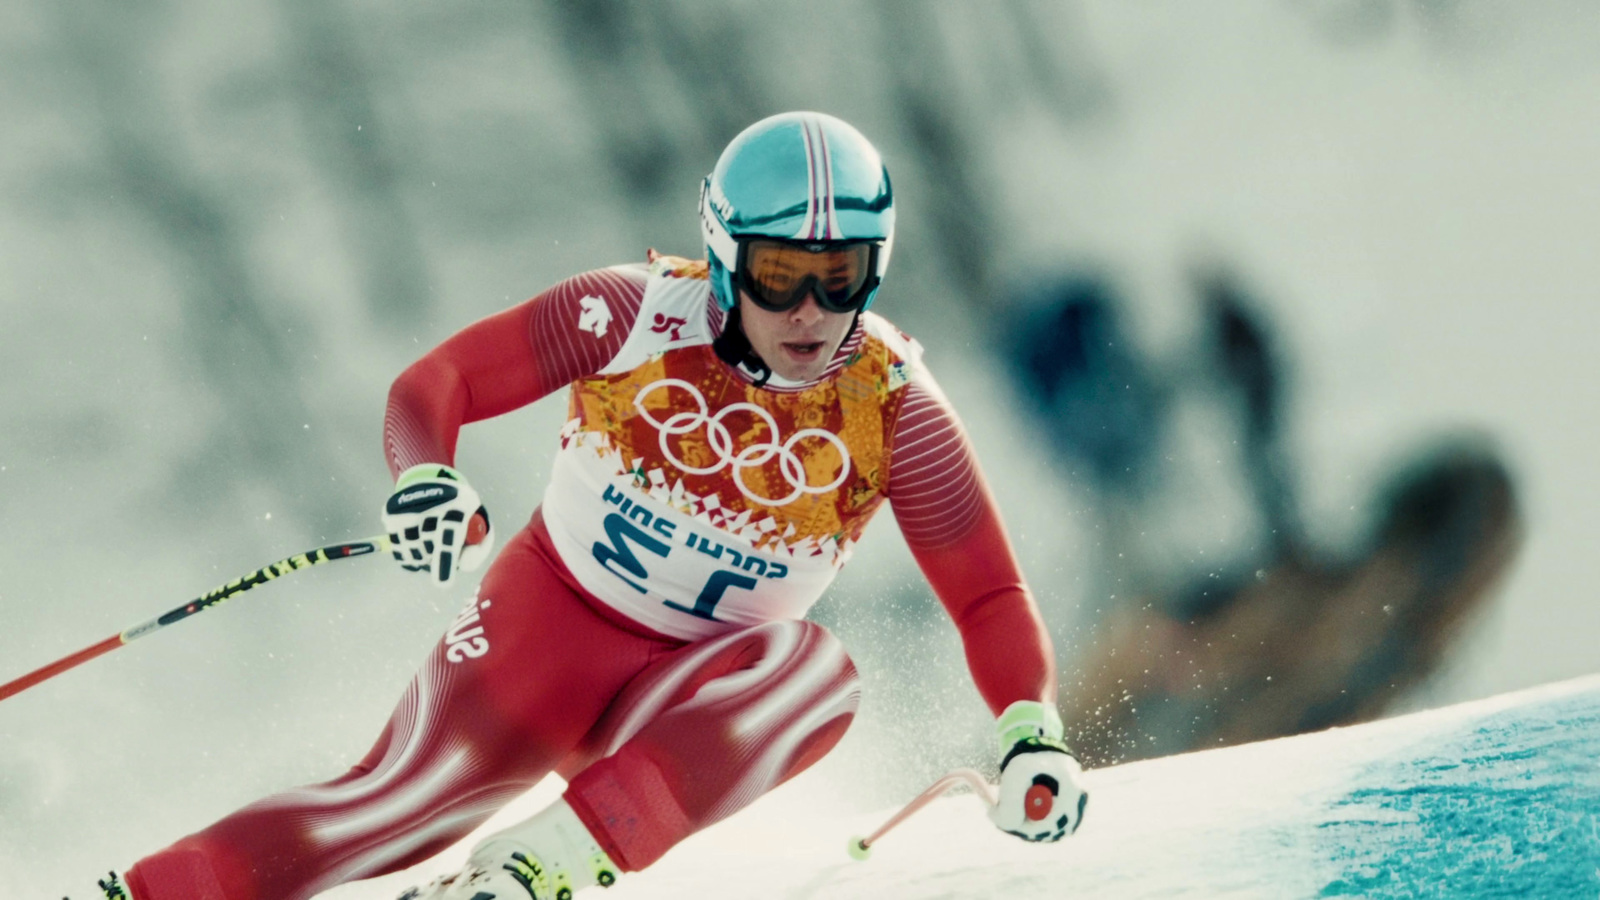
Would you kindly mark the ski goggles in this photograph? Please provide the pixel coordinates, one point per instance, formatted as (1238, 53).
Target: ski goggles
(779, 275)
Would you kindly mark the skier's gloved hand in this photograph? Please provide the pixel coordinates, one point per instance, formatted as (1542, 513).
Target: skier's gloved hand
(436, 523)
(1040, 799)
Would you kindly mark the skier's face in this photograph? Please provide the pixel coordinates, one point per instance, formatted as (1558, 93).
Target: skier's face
(796, 343)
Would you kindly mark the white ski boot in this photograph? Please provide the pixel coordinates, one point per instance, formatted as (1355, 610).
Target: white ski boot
(548, 857)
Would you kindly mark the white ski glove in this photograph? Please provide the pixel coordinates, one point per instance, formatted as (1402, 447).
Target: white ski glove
(432, 519)
(1039, 796)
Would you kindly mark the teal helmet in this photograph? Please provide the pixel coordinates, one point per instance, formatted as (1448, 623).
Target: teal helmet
(802, 177)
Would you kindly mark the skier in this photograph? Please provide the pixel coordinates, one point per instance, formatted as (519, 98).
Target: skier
(734, 423)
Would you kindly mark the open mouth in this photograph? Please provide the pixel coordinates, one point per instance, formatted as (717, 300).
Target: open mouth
(803, 350)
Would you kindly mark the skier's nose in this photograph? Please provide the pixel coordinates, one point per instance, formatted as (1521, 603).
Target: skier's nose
(808, 312)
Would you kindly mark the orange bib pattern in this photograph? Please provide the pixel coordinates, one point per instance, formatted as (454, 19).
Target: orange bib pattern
(798, 473)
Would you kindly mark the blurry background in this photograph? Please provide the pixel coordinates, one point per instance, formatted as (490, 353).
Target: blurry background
(1206, 282)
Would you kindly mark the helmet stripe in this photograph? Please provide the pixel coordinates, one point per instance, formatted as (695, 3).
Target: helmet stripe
(817, 179)
(830, 227)
(822, 218)
(808, 228)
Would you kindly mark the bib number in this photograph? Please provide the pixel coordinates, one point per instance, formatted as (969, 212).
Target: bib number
(620, 559)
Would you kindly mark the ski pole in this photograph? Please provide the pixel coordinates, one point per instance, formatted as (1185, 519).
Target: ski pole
(198, 605)
(861, 847)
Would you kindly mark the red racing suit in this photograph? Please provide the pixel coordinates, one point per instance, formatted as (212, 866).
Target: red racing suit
(643, 635)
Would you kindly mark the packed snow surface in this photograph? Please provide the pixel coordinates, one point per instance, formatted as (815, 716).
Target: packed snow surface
(1493, 798)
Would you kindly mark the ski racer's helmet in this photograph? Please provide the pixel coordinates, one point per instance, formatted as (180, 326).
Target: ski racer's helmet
(801, 178)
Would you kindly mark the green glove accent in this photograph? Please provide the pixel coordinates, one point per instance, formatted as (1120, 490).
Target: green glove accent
(1026, 719)
(426, 472)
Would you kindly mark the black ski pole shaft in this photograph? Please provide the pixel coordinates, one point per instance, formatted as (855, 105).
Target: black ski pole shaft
(200, 604)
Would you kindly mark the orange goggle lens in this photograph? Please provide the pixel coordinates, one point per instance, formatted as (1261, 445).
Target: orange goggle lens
(778, 275)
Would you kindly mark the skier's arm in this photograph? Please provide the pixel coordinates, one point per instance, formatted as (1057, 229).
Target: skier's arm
(435, 521)
(953, 528)
(507, 361)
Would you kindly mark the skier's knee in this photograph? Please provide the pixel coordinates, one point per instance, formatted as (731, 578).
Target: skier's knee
(820, 641)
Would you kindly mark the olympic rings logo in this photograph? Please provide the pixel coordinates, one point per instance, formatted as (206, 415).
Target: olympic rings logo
(721, 441)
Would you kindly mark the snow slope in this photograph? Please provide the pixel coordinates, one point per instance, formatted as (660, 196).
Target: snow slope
(1497, 797)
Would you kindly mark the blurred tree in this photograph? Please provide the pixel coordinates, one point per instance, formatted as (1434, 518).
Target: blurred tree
(360, 146)
(239, 347)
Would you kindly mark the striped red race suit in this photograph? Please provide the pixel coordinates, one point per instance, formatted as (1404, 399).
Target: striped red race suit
(643, 635)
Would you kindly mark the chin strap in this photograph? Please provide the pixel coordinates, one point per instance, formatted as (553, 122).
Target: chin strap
(733, 348)
(854, 324)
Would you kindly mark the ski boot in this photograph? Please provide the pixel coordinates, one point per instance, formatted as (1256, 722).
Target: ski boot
(112, 888)
(507, 867)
